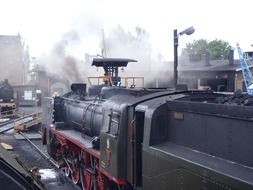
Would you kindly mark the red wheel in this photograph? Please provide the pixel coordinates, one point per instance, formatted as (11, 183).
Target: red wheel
(75, 176)
(85, 179)
(67, 171)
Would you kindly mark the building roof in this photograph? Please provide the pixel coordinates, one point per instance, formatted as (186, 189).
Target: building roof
(10, 39)
(214, 65)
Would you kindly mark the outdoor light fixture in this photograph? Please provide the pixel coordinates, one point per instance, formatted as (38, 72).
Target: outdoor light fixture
(187, 31)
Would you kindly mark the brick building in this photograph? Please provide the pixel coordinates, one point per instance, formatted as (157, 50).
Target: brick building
(218, 75)
(202, 73)
(12, 59)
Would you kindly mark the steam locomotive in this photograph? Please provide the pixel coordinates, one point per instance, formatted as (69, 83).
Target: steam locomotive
(127, 138)
(7, 104)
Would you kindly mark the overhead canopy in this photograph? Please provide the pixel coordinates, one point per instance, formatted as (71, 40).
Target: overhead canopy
(111, 62)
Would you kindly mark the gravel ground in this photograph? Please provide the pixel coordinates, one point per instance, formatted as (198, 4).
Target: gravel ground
(52, 178)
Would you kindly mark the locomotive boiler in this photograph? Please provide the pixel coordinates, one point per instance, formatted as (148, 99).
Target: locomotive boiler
(74, 107)
(113, 137)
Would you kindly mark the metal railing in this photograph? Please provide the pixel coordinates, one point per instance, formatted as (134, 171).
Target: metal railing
(8, 113)
(99, 80)
(133, 82)
(128, 82)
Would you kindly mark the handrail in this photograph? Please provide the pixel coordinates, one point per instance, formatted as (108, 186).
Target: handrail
(103, 78)
(134, 84)
(125, 80)
(7, 113)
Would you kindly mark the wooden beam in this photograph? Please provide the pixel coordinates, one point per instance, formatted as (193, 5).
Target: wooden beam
(6, 146)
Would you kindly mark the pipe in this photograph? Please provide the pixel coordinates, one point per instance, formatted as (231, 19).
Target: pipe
(37, 148)
(175, 37)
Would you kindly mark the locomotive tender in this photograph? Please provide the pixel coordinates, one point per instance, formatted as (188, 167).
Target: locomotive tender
(128, 138)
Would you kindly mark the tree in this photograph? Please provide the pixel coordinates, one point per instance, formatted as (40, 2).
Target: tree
(197, 47)
(218, 49)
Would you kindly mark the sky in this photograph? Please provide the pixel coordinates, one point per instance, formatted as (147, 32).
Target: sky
(42, 23)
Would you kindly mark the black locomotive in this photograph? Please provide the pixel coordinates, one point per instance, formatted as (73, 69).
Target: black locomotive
(7, 104)
(128, 138)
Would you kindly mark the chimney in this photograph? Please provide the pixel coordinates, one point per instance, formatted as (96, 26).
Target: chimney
(207, 59)
(231, 56)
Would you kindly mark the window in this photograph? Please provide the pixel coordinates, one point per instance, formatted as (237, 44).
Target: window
(28, 95)
(114, 123)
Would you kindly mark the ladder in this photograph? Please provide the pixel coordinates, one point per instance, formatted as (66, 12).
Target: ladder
(248, 80)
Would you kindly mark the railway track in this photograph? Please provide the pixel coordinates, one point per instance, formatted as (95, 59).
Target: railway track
(51, 176)
(39, 150)
(24, 122)
(32, 155)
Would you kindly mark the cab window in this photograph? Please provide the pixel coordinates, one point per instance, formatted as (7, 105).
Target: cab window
(114, 123)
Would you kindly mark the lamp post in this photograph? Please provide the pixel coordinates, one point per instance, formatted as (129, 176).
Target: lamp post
(187, 31)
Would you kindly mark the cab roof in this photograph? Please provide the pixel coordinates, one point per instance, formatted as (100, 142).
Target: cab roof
(111, 62)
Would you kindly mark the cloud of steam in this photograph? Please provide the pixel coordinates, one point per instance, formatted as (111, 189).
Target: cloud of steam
(136, 45)
(60, 63)
(63, 62)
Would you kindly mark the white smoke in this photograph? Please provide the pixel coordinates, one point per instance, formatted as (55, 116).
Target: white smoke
(136, 45)
(67, 56)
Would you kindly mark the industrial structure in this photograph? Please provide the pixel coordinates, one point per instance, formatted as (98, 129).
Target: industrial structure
(14, 59)
(199, 72)
(247, 75)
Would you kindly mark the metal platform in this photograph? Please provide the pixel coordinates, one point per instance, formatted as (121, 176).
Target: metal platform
(27, 121)
(76, 136)
(195, 160)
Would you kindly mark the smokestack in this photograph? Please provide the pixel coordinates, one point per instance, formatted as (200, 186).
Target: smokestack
(207, 59)
(231, 56)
